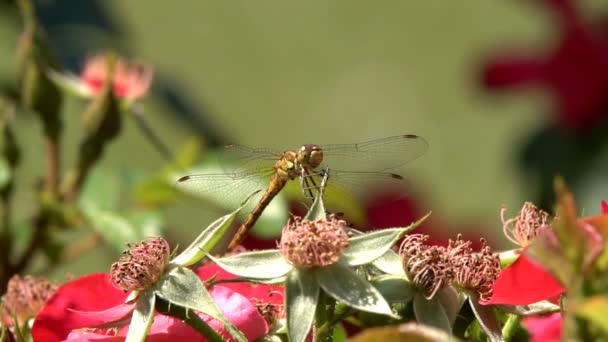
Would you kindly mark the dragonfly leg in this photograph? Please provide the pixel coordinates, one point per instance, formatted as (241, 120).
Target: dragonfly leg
(307, 188)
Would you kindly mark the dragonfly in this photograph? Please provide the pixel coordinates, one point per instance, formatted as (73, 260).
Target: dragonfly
(311, 165)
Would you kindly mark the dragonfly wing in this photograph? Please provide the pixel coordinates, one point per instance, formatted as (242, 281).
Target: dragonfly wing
(228, 190)
(245, 159)
(376, 155)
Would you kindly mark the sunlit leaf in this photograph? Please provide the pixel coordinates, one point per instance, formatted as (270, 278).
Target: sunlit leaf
(208, 238)
(301, 296)
(343, 284)
(390, 263)
(101, 190)
(142, 318)
(267, 264)
(395, 289)
(365, 248)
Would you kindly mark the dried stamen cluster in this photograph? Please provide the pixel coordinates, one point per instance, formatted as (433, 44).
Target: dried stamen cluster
(308, 244)
(141, 265)
(430, 268)
(24, 298)
(527, 225)
(473, 271)
(426, 266)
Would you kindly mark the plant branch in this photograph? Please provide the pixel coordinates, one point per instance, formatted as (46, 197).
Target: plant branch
(189, 318)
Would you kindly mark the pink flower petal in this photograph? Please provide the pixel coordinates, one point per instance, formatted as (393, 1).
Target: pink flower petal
(524, 282)
(544, 328)
(89, 293)
(115, 313)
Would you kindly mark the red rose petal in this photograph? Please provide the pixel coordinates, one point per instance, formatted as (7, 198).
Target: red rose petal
(524, 282)
(93, 292)
(604, 207)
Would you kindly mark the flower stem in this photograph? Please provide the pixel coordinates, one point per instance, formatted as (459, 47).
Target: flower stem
(190, 318)
(324, 328)
(510, 327)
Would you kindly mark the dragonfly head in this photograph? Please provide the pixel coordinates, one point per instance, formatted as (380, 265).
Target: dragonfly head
(310, 156)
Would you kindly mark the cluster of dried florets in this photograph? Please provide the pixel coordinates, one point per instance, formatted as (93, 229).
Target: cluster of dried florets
(24, 298)
(430, 268)
(526, 226)
(308, 244)
(141, 265)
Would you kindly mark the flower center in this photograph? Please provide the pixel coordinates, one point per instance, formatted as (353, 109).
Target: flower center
(141, 265)
(527, 225)
(309, 244)
(425, 266)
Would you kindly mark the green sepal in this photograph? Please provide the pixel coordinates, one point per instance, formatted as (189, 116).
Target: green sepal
(430, 312)
(390, 263)
(267, 264)
(343, 284)
(142, 317)
(317, 209)
(208, 238)
(486, 317)
(301, 297)
(366, 248)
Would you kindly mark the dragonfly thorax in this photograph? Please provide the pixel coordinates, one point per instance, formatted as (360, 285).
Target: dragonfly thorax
(287, 167)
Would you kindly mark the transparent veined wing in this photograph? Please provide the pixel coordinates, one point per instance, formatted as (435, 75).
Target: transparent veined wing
(376, 155)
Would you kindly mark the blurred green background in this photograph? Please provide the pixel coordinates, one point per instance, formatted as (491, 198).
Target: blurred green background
(283, 73)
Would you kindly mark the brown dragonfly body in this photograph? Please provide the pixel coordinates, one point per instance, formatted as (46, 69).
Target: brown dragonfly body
(291, 165)
(305, 163)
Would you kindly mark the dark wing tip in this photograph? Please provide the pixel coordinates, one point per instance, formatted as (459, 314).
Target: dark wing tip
(184, 178)
(411, 136)
(396, 176)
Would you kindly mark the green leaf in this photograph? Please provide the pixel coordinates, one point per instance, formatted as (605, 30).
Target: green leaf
(142, 317)
(395, 289)
(451, 301)
(208, 238)
(365, 248)
(267, 264)
(114, 228)
(343, 284)
(301, 296)
(594, 309)
(182, 287)
(390, 263)
(5, 173)
(486, 317)
(430, 312)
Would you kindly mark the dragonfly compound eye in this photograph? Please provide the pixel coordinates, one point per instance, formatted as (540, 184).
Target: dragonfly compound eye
(310, 155)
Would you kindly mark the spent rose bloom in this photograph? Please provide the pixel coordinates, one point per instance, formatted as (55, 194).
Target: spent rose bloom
(93, 300)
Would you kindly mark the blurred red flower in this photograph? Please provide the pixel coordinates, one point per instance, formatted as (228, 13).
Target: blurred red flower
(392, 209)
(92, 300)
(546, 328)
(575, 70)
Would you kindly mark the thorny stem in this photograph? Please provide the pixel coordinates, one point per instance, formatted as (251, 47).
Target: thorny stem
(190, 318)
(342, 312)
